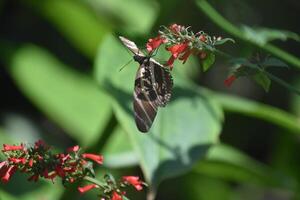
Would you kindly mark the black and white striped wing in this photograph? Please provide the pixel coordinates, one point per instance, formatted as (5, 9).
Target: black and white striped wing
(153, 88)
(131, 46)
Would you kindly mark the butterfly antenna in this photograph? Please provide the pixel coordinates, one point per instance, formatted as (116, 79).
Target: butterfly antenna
(125, 65)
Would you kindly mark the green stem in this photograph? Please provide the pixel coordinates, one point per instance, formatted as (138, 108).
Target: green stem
(258, 110)
(211, 13)
(282, 83)
(95, 181)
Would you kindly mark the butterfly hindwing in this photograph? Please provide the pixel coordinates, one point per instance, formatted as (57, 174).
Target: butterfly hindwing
(153, 87)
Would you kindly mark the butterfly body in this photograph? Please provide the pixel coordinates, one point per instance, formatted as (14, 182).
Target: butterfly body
(152, 87)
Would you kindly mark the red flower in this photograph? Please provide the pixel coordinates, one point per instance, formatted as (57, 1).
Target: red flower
(9, 172)
(154, 43)
(185, 56)
(17, 160)
(40, 143)
(60, 172)
(97, 158)
(177, 49)
(116, 196)
(30, 163)
(230, 80)
(86, 188)
(34, 178)
(134, 181)
(202, 38)
(170, 61)
(7, 147)
(73, 149)
(175, 28)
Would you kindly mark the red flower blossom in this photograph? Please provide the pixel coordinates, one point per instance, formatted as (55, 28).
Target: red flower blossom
(40, 143)
(97, 158)
(86, 188)
(73, 149)
(7, 147)
(9, 172)
(34, 178)
(177, 49)
(230, 80)
(154, 43)
(17, 160)
(170, 62)
(116, 196)
(60, 172)
(30, 163)
(175, 28)
(134, 181)
(202, 38)
(185, 56)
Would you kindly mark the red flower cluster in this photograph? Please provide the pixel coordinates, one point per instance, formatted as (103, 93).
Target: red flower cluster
(181, 43)
(72, 166)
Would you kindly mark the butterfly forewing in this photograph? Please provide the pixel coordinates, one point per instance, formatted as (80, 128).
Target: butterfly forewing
(131, 46)
(152, 88)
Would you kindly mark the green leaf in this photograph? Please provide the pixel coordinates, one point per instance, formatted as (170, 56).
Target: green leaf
(261, 36)
(76, 22)
(182, 131)
(227, 163)
(263, 80)
(274, 62)
(133, 17)
(208, 61)
(67, 97)
(118, 153)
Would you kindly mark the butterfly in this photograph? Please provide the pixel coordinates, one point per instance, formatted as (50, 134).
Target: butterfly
(152, 87)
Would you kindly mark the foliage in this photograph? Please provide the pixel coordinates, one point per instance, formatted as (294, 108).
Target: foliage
(60, 61)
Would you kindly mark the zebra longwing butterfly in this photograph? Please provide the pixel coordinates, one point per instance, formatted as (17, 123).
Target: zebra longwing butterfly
(152, 87)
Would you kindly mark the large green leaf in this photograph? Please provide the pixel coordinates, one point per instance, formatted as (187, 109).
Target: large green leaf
(228, 163)
(69, 98)
(118, 153)
(261, 36)
(181, 133)
(76, 22)
(133, 17)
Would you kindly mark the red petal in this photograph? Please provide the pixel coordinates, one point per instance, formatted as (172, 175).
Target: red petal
(177, 49)
(134, 181)
(97, 158)
(154, 43)
(86, 188)
(230, 80)
(185, 56)
(7, 147)
(116, 196)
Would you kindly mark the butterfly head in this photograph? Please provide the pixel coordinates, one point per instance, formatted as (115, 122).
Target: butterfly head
(140, 59)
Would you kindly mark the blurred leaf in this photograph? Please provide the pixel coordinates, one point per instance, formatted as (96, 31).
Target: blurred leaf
(274, 62)
(181, 132)
(261, 36)
(207, 188)
(76, 22)
(208, 61)
(118, 153)
(133, 17)
(227, 163)
(263, 80)
(69, 98)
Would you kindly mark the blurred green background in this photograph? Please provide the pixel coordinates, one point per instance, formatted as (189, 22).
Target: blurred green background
(60, 81)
